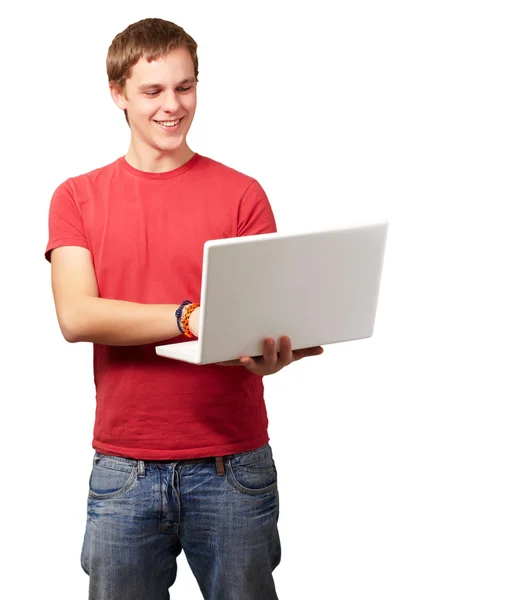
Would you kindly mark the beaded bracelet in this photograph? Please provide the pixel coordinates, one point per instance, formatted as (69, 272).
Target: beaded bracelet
(188, 311)
(178, 313)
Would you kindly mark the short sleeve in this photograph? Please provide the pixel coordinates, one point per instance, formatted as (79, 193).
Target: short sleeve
(255, 215)
(65, 223)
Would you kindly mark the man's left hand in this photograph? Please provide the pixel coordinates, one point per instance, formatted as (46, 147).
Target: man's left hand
(271, 362)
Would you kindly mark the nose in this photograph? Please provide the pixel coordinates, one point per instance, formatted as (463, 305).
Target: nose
(170, 102)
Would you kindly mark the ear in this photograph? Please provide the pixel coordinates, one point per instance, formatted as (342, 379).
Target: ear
(118, 96)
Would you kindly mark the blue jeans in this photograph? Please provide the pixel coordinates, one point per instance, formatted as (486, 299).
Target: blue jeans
(141, 514)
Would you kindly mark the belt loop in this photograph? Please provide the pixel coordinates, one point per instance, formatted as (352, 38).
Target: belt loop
(141, 470)
(220, 465)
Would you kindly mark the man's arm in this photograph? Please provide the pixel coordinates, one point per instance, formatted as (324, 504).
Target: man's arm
(85, 317)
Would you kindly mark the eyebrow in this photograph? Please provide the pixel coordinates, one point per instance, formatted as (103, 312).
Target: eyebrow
(147, 86)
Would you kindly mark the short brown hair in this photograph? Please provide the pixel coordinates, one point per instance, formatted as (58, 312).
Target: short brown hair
(149, 39)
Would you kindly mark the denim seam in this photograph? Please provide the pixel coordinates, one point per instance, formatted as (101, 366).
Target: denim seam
(248, 451)
(113, 457)
(255, 471)
(177, 460)
(123, 490)
(160, 511)
(112, 467)
(249, 491)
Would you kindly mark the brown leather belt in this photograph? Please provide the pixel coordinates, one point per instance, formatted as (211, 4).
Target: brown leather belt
(219, 460)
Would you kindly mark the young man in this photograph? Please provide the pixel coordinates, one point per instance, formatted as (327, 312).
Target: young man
(182, 460)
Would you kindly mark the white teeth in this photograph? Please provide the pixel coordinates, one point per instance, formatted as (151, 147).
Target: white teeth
(169, 123)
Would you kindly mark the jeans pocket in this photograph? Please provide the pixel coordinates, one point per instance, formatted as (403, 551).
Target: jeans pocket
(111, 477)
(253, 472)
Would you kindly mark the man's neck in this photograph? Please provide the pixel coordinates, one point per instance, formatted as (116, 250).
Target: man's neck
(160, 162)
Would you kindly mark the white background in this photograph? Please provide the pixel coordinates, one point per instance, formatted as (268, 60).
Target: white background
(404, 459)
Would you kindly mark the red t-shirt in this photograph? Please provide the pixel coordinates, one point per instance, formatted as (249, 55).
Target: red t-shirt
(146, 232)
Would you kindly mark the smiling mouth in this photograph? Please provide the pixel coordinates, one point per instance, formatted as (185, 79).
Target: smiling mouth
(169, 124)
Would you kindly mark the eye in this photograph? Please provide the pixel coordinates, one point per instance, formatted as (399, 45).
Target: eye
(181, 89)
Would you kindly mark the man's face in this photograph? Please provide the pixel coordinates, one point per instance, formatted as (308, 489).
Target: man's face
(156, 95)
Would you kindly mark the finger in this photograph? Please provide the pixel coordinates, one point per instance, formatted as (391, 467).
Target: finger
(248, 362)
(285, 355)
(230, 363)
(304, 352)
(269, 352)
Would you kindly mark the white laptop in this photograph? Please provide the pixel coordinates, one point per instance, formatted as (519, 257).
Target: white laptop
(318, 287)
